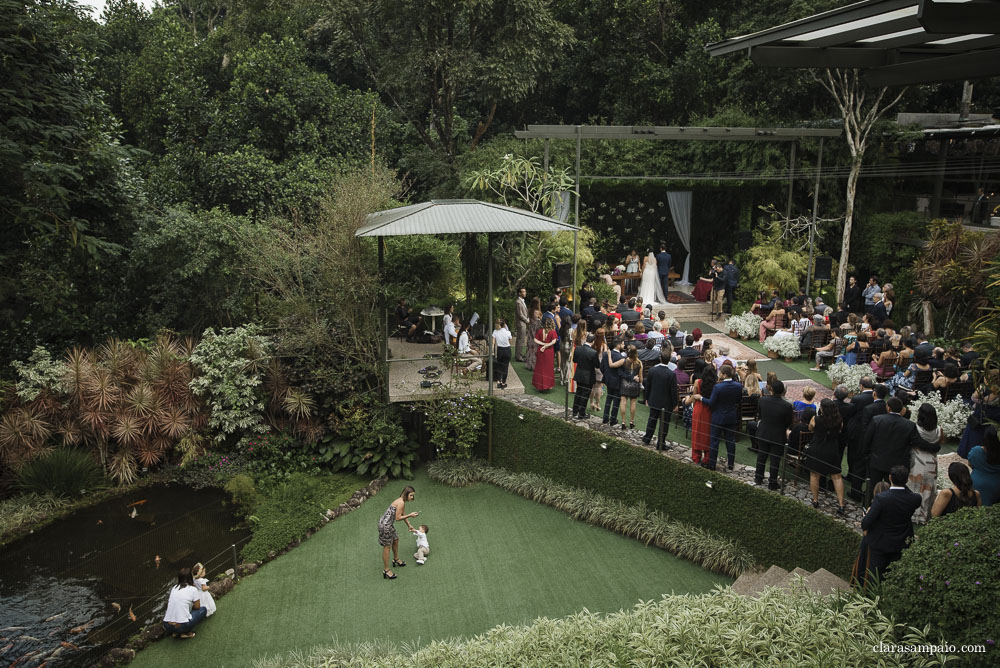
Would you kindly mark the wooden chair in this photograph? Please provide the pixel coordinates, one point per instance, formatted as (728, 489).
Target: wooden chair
(864, 356)
(794, 454)
(963, 388)
(817, 339)
(881, 376)
(748, 409)
(687, 364)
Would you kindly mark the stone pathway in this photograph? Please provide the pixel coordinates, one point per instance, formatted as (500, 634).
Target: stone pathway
(745, 474)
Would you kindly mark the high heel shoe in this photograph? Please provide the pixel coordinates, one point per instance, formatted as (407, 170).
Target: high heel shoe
(386, 576)
(631, 425)
(398, 563)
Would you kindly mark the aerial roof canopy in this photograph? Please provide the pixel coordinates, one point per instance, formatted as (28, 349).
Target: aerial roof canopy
(899, 42)
(458, 216)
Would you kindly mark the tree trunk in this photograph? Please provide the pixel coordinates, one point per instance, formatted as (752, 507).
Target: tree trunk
(845, 247)
(928, 313)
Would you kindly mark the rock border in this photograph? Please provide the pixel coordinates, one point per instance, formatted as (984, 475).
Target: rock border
(151, 633)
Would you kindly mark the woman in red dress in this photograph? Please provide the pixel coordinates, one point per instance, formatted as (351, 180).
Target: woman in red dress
(544, 376)
(701, 417)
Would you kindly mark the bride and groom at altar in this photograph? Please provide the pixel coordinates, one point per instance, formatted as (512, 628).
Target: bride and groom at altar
(653, 287)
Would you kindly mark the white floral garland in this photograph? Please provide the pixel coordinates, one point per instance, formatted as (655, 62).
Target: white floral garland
(842, 374)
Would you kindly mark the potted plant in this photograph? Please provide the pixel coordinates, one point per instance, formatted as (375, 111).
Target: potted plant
(952, 416)
(782, 346)
(842, 374)
(744, 326)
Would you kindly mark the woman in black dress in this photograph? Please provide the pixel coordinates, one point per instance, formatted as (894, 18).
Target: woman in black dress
(823, 454)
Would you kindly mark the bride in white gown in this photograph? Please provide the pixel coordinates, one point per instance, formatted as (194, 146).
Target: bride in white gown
(650, 289)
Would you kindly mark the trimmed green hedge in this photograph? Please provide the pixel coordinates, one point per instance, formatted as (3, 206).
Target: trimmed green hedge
(775, 529)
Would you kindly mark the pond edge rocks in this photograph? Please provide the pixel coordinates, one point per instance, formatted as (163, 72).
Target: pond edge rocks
(152, 632)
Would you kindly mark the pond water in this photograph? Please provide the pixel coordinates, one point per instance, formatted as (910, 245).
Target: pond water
(61, 587)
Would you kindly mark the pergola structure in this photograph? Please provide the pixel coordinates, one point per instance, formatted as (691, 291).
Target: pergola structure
(459, 217)
(578, 133)
(897, 42)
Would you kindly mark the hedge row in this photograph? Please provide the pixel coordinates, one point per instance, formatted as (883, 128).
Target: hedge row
(720, 555)
(773, 528)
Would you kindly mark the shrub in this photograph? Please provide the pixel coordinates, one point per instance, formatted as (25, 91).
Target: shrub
(243, 492)
(773, 528)
(372, 443)
(455, 423)
(39, 374)
(23, 509)
(721, 628)
(272, 458)
(63, 473)
(230, 366)
(947, 580)
(211, 469)
(746, 326)
(688, 542)
(603, 293)
(294, 508)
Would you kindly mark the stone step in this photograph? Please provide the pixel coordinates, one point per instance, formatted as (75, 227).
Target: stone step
(821, 582)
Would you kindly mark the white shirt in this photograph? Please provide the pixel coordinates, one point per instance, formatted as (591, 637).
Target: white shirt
(463, 343)
(182, 599)
(654, 335)
(421, 539)
(446, 320)
(502, 337)
(449, 331)
(207, 601)
(721, 359)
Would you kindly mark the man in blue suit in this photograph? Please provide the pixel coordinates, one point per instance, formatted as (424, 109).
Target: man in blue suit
(725, 404)
(663, 267)
(888, 523)
(661, 397)
(611, 372)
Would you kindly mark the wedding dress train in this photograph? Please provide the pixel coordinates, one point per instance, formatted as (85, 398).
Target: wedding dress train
(650, 288)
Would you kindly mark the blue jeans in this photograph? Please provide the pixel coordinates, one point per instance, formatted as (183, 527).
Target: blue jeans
(197, 616)
(720, 431)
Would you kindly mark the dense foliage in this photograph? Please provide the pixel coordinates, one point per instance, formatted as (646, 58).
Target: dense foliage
(947, 580)
(530, 442)
(63, 473)
(718, 629)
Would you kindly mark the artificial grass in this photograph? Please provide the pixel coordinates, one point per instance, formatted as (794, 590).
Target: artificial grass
(706, 328)
(495, 559)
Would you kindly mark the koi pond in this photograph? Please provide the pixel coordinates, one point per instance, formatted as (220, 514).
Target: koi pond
(77, 587)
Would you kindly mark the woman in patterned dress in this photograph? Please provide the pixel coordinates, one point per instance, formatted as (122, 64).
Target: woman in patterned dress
(534, 323)
(387, 537)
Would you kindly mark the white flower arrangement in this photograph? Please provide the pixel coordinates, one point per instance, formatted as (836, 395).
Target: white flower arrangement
(952, 416)
(842, 374)
(785, 346)
(746, 325)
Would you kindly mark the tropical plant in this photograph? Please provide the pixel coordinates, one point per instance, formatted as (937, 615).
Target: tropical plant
(946, 581)
(778, 627)
(456, 422)
(952, 272)
(243, 492)
(62, 473)
(372, 443)
(785, 346)
(712, 552)
(773, 262)
(229, 369)
(39, 374)
(746, 325)
(25, 509)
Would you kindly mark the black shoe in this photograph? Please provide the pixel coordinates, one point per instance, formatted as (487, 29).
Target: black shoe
(774, 487)
(815, 504)
(730, 466)
(605, 421)
(631, 425)
(841, 511)
(397, 563)
(646, 441)
(386, 576)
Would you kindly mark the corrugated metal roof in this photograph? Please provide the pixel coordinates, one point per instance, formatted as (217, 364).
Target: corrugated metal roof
(458, 216)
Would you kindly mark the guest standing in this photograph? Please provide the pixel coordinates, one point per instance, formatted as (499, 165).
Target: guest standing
(387, 537)
(923, 462)
(774, 418)
(661, 397)
(852, 295)
(890, 439)
(631, 384)
(701, 415)
(587, 361)
(985, 462)
(611, 362)
(534, 322)
(501, 350)
(521, 311)
(823, 453)
(962, 496)
(600, 345)
(544, 377)
(888, 524)
(725, 404)
(663, 261)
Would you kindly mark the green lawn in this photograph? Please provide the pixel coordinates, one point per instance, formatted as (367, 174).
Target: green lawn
(496, 558)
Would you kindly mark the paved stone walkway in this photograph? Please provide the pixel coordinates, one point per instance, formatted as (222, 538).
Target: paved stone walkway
(745, 474)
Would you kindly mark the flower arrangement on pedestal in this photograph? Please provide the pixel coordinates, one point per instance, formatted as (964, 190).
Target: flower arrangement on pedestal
(842, 374)
(745, 326)
(783, 346)
(952, 416)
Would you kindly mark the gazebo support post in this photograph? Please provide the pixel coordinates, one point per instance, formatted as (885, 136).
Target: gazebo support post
(489, 346)
(791, 179)
(812, 227)
(383, 323)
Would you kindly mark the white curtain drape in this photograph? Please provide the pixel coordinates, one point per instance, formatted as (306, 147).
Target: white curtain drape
(680, 211)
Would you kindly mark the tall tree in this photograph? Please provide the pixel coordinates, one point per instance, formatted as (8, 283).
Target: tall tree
(447, 65)
(861, 109)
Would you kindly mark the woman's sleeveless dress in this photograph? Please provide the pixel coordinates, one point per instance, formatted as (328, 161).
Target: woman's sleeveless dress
(387, 527)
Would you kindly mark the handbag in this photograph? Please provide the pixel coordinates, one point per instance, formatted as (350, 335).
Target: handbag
(630, 388)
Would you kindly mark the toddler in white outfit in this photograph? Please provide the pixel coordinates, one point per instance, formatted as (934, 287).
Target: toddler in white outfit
(423, 549)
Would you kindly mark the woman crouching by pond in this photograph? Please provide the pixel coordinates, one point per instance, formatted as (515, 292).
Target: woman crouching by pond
(387, 537)
(184, 609)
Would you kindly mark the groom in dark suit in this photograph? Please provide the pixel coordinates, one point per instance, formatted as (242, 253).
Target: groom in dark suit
(587, 361)
(663, 267)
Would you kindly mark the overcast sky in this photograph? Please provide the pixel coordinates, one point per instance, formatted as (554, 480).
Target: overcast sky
(97, 6)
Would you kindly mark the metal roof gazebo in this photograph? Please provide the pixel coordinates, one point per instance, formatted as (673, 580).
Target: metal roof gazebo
(898, 42)
(461, 216)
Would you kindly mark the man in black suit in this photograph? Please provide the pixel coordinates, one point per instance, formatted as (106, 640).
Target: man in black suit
(586, 361)
(610, 366)
(649, 352)
(878, 313)
(590, 310)
(774, 417)
(725, 404)
(857, 467)
(874, 409)
(663, 260)
(968, 357)
(924, 350)
(887, 525)
(689, 350)
(630, 315)
(661, 397)
(622, 305)
(599, 318)
(890, 439)
(847, 411)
